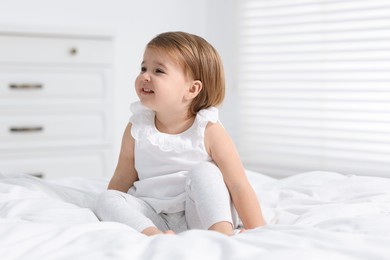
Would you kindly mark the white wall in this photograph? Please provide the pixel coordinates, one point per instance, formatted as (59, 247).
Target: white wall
(221, 32)
(133, 23)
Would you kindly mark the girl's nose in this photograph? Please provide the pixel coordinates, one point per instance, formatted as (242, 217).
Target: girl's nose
(145, 76)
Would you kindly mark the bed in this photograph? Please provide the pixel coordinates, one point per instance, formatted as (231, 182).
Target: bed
(311, 215)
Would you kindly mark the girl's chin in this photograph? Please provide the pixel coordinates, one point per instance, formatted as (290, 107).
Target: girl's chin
(146, 104)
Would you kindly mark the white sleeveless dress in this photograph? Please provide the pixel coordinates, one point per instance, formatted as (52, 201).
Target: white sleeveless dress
(163, 160)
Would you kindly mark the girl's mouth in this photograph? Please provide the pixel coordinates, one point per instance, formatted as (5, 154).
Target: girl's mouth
(147, 90)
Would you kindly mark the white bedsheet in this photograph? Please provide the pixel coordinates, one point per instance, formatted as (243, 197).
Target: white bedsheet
(314, 215)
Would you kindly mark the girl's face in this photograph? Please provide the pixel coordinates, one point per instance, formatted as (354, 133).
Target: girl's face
(162, 84)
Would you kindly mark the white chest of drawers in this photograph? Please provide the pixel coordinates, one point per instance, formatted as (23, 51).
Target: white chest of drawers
(56, 103)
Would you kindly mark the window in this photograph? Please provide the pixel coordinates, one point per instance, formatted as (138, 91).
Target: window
(314, 86)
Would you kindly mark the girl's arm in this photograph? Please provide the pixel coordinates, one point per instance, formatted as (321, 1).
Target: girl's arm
(223, 151)
(125, 174)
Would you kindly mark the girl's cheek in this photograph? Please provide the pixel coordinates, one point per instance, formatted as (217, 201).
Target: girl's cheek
(137, 81)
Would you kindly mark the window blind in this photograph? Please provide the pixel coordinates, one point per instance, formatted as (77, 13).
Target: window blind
(314, 86)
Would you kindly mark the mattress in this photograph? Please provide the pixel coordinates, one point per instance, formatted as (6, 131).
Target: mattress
(311, 215)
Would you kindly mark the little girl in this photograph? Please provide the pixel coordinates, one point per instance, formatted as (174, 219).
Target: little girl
(178, 168)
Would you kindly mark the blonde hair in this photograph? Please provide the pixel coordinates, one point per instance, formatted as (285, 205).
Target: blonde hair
(200, 61)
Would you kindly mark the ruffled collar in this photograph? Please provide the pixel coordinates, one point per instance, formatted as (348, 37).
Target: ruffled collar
(144, 128)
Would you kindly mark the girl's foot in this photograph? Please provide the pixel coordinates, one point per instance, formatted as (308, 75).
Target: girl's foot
(169, 232)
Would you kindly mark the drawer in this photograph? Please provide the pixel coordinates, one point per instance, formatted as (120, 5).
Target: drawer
(55, 49)
(38, 85)
(19, 130)
(57, 165)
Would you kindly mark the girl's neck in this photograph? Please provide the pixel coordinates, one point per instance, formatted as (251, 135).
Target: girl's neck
(173, 124)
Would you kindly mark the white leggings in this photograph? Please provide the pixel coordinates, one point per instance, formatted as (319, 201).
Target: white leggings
(207, 202)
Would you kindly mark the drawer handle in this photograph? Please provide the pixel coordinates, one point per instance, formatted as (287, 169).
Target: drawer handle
(25, 129)
(73, 51)
(25, 86)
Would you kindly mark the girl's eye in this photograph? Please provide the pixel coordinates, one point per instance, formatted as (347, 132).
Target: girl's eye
(159, 71)
(143, 69)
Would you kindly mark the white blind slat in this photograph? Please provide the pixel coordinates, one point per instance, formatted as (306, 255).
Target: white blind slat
(255, 28)
(313, 12)
(323, 106)
(357, 75)
(314, 86)
(288, 6)
(315, 66)
(253, 48)
(306, 132)
(324, 37)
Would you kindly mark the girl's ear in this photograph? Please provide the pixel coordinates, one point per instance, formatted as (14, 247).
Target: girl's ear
(194, 89)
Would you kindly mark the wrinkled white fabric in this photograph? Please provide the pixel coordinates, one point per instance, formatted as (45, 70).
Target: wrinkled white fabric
(314, 215)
